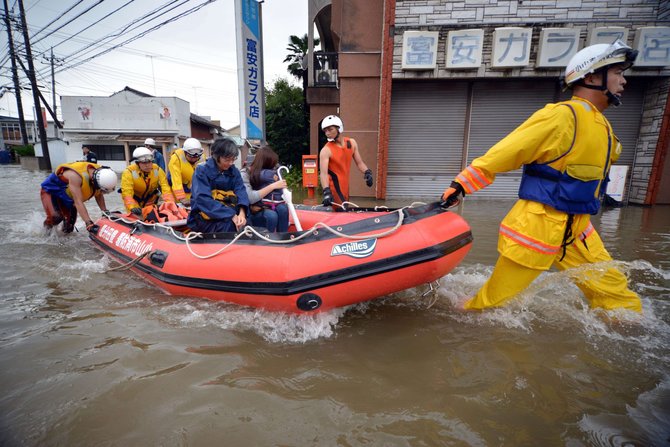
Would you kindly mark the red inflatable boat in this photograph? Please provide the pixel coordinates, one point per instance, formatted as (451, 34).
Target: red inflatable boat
(340, 259)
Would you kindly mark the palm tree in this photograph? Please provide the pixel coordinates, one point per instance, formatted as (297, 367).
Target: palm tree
(297, 58)
(298, 48)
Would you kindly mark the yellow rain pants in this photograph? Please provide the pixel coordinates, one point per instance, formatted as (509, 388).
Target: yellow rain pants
(607, 290)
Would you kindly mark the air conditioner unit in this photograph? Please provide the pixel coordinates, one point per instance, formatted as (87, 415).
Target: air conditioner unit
(326, 76)
(323, 77)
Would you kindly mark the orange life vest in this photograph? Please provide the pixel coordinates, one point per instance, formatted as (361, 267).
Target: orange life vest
(339, 166)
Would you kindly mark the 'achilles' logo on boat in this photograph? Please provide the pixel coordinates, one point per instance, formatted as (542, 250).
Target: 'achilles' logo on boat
(355, 249)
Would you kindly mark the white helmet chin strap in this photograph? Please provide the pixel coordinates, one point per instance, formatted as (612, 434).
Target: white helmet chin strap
(336, 136)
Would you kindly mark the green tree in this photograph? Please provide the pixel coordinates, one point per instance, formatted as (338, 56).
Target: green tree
(297, 58)
(285, 125)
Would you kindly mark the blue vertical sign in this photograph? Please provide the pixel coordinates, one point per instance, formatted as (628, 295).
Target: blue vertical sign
(250, 69)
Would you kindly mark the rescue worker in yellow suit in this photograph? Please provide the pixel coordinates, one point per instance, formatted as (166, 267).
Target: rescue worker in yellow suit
(566, 150)
(143, 182)
(181, 168)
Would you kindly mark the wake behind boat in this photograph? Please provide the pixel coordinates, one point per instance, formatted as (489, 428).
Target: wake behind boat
(339, 260)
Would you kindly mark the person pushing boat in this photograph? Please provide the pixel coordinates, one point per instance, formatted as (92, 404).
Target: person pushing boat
(64, 192)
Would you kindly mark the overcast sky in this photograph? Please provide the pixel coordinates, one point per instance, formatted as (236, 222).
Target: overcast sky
(193, 58)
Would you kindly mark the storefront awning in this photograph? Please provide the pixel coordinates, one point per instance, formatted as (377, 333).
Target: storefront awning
(139, 139)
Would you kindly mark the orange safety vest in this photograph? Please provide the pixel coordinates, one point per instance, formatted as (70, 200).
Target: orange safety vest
(339, 166)
(81, 168)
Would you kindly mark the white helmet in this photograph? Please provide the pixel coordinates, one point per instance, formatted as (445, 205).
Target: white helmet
(332, 120)
(588, 60)
(105, 179)
(149, 142)
(192, 147)
(143, 154)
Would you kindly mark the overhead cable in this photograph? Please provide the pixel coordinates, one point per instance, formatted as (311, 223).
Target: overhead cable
(73, 19)
(142, 34)
(56, 19)
(92, 46)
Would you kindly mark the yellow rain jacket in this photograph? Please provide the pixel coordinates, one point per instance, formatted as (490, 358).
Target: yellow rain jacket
(139, 189)
(578, 147)
(532, 232)
(181, 174)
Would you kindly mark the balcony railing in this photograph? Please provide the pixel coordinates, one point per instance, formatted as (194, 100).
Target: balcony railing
(325, 69)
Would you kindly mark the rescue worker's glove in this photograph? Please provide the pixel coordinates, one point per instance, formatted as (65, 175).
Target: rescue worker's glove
(185, 202)
(368, 177)
(450, 196)
(327, 197)
(91, 227)
(136, 211)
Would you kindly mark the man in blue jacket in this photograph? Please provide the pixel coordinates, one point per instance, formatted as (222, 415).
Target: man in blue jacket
(219, 201)
(157, 151)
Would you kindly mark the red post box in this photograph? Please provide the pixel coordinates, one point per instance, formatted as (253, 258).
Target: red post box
(310, 174)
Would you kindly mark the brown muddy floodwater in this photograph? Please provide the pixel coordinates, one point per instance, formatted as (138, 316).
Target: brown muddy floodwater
(93, 358)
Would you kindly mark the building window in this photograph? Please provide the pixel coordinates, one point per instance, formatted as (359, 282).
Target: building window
(107, 151)
(11, 131)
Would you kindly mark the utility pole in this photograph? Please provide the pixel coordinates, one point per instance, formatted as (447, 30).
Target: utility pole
(53, 90)
(15, 76)
(33, 83)
(153, 75)
(44, 101)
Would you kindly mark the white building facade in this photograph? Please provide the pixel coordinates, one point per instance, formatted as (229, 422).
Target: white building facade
(113, 126)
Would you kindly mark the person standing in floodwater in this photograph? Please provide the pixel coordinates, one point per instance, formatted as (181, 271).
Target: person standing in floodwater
(566, 150)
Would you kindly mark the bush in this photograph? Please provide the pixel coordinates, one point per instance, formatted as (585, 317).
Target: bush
(25, 150)
(294, 178)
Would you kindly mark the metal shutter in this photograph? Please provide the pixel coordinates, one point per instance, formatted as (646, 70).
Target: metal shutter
(625, 121)
(426, 137)
(498, 108)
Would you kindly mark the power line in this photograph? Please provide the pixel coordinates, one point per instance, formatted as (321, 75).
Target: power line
(72, 20)
(89, 44)
(94, 24)
(138, 36)
(92, 46)
(56, 20)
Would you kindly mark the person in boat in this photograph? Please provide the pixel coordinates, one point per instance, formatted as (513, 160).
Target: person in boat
(143, 182)
(335, 163)
(264, 188)
(566, 150)
(64, 192)
(219, 201)
(157, 151)
(89, 155)
(181, 167)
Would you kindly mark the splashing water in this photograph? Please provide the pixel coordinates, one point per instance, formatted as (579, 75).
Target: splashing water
(275, 327)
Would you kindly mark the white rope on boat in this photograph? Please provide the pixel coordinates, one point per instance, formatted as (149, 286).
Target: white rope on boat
(250, 231)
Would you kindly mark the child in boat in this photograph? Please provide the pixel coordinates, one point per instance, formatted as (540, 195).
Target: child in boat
(264, 188)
